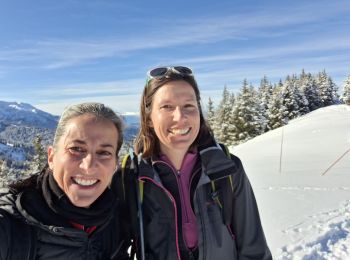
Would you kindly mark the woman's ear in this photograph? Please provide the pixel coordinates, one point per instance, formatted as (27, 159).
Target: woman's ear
(50, 155)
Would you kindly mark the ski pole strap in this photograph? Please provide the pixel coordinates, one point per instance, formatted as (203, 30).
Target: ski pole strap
(141, 190)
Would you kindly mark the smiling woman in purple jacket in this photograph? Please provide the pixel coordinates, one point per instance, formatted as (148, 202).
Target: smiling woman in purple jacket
(195, 199)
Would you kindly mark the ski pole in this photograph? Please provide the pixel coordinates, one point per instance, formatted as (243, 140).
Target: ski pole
(139, 202)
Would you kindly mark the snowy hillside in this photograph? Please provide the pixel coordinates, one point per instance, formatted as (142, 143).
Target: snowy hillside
(301, 177)
(12, 153)
(20, 123)
(24, 114)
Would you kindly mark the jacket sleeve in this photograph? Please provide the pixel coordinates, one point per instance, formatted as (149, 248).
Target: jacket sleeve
(250, 238)
(4, 235)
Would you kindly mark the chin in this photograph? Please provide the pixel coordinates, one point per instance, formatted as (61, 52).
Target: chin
(86, 203)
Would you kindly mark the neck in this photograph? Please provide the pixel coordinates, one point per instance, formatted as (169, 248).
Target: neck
(176, 157)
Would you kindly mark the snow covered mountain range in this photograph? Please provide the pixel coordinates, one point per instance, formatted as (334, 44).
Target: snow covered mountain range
(25, 115)
(300, 174)
(20, 123)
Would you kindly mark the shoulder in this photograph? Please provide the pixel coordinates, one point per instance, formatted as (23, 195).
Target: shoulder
(123, 178)
(8, 200)
(237, 161)
(227, 152)
(16, 237)
(6, 222)
(8, 212)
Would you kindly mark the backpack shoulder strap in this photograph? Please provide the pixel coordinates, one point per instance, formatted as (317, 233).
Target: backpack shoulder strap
(123, 165)
(133, 196)
(223, 192)
(227, 152)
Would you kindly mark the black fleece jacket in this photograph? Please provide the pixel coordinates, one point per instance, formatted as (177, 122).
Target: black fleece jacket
(51, 240)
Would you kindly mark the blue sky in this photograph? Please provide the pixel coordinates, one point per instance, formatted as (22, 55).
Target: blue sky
(55, 53)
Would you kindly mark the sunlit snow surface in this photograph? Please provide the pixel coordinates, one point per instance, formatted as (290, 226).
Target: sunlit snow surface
(301, 178)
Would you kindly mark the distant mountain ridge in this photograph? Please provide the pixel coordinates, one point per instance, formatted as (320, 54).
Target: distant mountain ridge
(20, 123)
(24, 114)
(132, 125)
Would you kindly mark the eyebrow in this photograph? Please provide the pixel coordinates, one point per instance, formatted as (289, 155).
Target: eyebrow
(83, 142)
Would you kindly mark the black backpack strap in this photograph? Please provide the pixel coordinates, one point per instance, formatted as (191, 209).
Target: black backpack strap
(23, 241)
(133, 196)
(223, 193)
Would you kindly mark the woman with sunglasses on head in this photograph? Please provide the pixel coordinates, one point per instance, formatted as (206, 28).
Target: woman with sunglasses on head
(195, 200)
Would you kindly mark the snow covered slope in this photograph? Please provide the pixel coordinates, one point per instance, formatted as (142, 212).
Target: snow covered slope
(25, 114)
(301, 177)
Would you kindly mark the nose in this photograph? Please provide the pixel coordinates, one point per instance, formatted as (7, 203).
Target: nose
(88, 163)
(178, 114)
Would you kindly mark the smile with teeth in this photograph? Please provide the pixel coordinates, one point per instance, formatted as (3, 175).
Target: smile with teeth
(180, 131)
(84, 182)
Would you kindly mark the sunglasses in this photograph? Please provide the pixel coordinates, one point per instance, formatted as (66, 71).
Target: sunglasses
(163, 71)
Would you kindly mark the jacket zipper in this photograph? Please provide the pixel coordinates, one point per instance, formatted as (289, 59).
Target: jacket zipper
(179, 185)
(175, 212)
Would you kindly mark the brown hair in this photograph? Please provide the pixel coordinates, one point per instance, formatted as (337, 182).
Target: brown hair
(146, 141)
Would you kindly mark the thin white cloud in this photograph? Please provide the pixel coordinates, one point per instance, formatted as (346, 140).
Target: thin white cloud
(58, 53)
(90, 89)
(124, 95)
(217, 77)
(254, 53)
(127, 104)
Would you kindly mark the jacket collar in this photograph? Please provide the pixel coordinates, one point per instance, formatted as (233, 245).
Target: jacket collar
(214, 162)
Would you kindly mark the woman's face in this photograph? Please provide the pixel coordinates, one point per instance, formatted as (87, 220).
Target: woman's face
(175, 116)
(84, 159)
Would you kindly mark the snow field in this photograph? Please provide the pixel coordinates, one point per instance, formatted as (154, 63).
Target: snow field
(300, 174)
